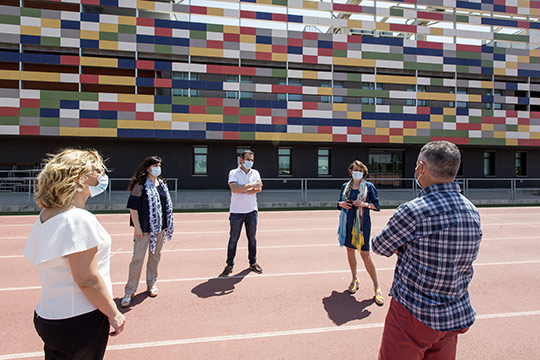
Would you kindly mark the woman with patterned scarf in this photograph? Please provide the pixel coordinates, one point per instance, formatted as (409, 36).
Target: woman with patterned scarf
(151, 211)
(357, 198)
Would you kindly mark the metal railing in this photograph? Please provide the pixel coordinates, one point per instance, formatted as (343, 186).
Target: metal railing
(304, 190)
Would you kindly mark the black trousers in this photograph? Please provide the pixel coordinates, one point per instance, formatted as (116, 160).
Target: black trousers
(82, 337)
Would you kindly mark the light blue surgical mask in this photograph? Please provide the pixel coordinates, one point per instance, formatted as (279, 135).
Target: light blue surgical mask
(156, 171)
(357, 175)
(248, 164)
(103, 182)
(416, 178)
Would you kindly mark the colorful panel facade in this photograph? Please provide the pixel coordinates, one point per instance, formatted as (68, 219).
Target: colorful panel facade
(275, 70)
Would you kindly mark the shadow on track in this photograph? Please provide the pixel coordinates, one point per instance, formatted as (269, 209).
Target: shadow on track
(136, 300)
(343, 307)
(219, 286)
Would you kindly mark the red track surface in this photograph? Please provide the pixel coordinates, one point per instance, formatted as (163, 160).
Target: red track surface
(297, 309)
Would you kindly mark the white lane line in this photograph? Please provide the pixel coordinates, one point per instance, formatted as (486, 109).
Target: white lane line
(224, 220)
(225, 232)
(269, 334)
(119, 251)
(205, 249)
(261, 276)
(272, 246)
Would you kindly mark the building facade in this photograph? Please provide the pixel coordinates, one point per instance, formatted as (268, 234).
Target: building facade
(308, 85)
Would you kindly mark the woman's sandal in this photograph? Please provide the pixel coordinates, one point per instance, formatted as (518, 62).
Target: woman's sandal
(353, 287)
(379, 300)
(126, 300)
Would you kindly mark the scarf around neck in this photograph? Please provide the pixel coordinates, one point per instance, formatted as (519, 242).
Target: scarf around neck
(362, 195)
(156, 212)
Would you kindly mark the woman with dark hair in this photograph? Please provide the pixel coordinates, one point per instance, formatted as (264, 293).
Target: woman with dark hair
(357, 198)
(151, 215)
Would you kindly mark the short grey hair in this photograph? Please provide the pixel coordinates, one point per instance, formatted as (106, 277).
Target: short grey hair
(442, 158)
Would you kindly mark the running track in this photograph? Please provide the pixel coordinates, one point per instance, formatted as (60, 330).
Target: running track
(298, 309)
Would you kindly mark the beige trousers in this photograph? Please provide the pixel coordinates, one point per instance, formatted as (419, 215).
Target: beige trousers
(136, 264)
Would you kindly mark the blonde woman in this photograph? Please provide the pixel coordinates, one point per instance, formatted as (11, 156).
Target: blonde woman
(71, 251)
(357, 198)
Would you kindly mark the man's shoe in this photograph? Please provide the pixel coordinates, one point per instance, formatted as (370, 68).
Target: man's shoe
(226, 271)
(256, 268)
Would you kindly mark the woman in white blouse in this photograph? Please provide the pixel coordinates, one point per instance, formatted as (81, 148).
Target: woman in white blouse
(71, 251)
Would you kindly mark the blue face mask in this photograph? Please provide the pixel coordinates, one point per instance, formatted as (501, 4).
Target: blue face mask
(103, 182)
(248, 164)
(357, 175)
(156, 171)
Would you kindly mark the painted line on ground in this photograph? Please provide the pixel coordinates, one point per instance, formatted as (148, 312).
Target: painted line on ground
(260, 247)
(262, 276)
(269, 334)
(263, 246)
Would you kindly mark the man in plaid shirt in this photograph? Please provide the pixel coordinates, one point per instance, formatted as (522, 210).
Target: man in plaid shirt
(436, 238)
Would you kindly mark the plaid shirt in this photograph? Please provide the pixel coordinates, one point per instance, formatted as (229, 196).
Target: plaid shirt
(437, 236)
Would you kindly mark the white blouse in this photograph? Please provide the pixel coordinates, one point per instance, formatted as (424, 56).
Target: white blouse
(47, 247)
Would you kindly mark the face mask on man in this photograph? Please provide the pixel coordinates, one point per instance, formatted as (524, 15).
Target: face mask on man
(417, 178)
(103, 182)
(357, 175)
(248, 164)
(156, 171)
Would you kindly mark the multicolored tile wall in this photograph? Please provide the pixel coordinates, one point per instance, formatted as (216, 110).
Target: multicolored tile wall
(33, 36)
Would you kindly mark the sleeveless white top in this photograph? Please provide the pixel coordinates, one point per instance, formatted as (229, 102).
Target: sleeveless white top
(47, 247)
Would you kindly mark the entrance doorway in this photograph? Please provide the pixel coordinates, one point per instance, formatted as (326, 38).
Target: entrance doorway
(386, 164)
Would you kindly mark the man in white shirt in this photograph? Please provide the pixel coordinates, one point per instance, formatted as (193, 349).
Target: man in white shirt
(244, 183)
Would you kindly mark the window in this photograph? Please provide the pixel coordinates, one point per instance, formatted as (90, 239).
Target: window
(366, 100)
(282, 81)
(379, 101)
(282, 97)
(295, 97)
(461, 90)
(200, 157)
(232, 94)
(338, 99)
(410, 102)
(245, 95)
(386, 164)
(180, 92)
(489, 163)
(246, 79)
(232, 78)
(284, 161)
(380, 87)
(422, 102)
(323, 162)
(422, 88)
(411, 87)
(368, 86)
(338, 84)
(521, 163)
(497, 106)
(326, 83)
(295, 82)
(462, 104)
(325, 98)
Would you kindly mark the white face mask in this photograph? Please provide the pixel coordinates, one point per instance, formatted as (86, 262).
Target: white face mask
(416, 178)
(156, 171)
(103, 182)
(248, 164)
(357, 175)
